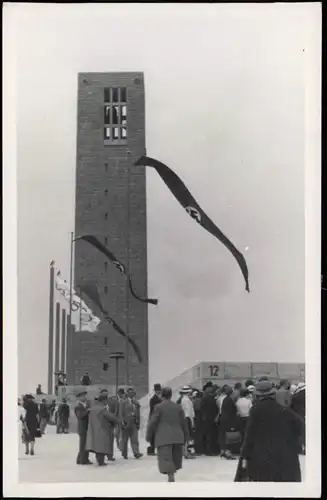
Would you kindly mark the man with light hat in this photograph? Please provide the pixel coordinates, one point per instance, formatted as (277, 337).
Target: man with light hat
(188, 409)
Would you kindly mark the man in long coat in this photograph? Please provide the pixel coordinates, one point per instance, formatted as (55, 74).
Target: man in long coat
(209, 412)
(100, 433)
(169, 430)
(82, 414)
(154, 401)
(270, 448)
(129, 413)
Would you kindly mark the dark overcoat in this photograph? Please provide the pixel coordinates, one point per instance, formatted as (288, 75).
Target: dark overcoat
(271, 443)
(154, 401)
(298, 403)
(167, 425)
(100, 429)
(31, 417)
(228, 417)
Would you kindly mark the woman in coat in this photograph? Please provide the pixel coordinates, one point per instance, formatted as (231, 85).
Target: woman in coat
(270, 448)
(100, 430)
(227, 421)
(30, 423)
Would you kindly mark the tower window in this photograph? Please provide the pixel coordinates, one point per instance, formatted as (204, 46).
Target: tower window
(106, 241)
(114, 95)
(115, 115)
(106, 216)
(106, 192)
(105, 265)
(105, 367)
(105, 340)
(123, 94)
(106, 167)
(106, 290)
(107, 95)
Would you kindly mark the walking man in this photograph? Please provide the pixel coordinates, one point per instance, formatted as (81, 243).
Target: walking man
(82, 414)
(154, 401)
(130, 424)
(168, 427)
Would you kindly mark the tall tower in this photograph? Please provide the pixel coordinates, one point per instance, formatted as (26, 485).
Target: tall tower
(111, 205)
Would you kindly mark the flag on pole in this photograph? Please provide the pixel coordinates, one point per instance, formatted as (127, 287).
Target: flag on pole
(82, 317)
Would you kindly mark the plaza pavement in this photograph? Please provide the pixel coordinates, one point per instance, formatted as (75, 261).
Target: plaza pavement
(55, 461)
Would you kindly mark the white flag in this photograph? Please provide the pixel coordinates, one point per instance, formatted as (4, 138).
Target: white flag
(82, 316)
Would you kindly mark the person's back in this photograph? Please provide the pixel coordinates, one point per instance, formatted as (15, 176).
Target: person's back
(271, 442)
(171, 424)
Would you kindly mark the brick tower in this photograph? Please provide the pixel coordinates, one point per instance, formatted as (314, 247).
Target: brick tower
(111, 205)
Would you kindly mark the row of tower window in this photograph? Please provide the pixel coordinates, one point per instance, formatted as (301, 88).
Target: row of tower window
(115, 114)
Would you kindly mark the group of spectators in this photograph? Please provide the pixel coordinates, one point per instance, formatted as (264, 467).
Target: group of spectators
(262, 422)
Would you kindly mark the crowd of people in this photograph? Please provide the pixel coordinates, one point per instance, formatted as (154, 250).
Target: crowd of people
(262, 424)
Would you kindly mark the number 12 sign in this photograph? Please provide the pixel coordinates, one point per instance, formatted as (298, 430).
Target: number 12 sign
(214, 370)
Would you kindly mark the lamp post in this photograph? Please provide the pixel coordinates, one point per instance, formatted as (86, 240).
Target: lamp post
(117, 356)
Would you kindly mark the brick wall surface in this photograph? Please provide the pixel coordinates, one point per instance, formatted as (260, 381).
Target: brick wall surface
(100, 167)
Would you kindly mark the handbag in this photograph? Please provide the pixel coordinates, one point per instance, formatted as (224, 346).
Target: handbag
(38, 433)
(233, 437)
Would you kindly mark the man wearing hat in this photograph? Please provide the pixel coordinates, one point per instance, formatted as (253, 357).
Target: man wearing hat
(130, 422)
(99, 432)
(270, 448)
(155, 400)
(209, 412)
(82, 414)
(188, 409)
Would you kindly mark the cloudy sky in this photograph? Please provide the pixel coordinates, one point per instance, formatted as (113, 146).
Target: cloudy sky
(225, 109)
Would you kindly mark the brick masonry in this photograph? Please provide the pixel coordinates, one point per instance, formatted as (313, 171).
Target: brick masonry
(99, 167)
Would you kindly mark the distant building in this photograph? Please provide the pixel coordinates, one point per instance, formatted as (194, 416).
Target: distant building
(111, 205)
(221, 373)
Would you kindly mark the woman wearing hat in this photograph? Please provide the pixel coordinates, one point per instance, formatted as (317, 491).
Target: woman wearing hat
(30, 423)
(270, 449)
(227, 421)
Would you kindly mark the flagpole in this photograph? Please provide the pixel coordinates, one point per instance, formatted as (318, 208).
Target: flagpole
(69, 327)
(51, 317)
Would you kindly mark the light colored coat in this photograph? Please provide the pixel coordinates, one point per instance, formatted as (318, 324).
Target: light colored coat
(100, 429)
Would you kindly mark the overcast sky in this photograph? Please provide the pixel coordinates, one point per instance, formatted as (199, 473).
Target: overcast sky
(225, 109)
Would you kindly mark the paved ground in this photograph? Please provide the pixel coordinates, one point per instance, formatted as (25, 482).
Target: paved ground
(55, 461)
